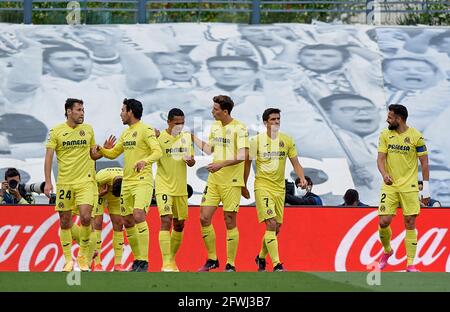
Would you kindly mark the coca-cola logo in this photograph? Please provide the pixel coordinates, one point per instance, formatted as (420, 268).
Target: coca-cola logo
(37, 248)
(430, 246)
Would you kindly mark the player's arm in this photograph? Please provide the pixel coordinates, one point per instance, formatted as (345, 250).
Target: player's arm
(189, 158)
(110, 149)
(202, 145)
(426, 178)
(48, 188)
(298, 170)
(154, 146)
(103, 189)
(381, 164)
(241, 155)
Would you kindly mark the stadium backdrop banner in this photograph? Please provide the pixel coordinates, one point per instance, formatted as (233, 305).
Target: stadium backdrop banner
(332, 83)
(313, 239)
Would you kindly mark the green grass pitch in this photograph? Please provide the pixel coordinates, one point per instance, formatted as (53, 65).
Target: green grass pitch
(225, 282)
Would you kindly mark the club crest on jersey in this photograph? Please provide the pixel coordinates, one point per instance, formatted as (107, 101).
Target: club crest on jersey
(61, 205)
(269, 211)
(134, 134)
(82, 133)
(407, 140)
(382, 208)
(166, 208)
(281, 144)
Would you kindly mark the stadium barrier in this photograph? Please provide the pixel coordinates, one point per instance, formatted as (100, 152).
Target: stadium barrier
(312, 239)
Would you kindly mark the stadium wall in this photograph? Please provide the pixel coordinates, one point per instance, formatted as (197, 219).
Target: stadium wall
(311, 239)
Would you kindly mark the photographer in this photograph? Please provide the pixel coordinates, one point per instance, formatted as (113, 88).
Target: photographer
(12, 192)
(303, 196)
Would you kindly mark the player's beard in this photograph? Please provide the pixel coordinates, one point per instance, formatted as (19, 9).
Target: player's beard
(393, 126)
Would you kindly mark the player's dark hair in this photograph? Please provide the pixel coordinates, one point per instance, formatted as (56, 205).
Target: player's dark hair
(117, 186)
(70, 102)
(399, 110)
(268, 112)
(350, 197)
(327, 102)
(134, 106)
(11, 172)
(225, 102)
(175, 112)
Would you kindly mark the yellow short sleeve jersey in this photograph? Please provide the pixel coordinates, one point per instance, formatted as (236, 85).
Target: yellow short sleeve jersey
(171, 176)
(138, 142)
(72, 147)
(226, 142)
(107, 175)
(271, 155)
(402, 151)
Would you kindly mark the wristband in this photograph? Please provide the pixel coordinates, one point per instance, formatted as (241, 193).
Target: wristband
(426, 189)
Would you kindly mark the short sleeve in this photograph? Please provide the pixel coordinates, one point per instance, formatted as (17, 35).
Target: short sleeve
(253, 144)
(421, 148)
(242, 137)
(52, 141)
(292, 149)
(382, 146)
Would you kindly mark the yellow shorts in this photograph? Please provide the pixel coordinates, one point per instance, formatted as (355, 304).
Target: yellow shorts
(173, 205)
(269, 205)
(70, 196)
(136, 196)
(230, 196)
(408, 201)
(108, 201)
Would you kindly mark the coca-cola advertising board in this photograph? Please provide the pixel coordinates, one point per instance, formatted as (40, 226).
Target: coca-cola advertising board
(311, 239)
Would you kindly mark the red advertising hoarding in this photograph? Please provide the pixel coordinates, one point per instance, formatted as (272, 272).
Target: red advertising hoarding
(311, 239)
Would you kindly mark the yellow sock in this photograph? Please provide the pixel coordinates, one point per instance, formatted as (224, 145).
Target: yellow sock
(411, 246)
(263, 253)
(75, 231)
(133, 240)
(85, 233)
(98, 246)
(142, 235)
(118, 247)
(164, 245)
(92, 241)
(232, 245)
(270, 238)
(175, 241)
(385, 238)
(209, 238)
(66, 243)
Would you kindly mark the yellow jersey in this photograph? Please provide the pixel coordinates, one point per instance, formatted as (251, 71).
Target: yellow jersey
(226, 142)
(72, 147)
(107, 175)
(138, 142)
(171, 176)
(271, 155)
(402, 151)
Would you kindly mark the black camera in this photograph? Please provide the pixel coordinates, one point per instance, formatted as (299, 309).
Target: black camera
(52, 200)
(13, 184)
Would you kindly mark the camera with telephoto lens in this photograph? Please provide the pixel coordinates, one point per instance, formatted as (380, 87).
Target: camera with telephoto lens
(35, 188)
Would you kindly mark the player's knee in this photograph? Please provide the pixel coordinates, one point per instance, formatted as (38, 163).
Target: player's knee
(85, 219)
(178, 227)
(205, 220)
(166, 222)
(128, 221)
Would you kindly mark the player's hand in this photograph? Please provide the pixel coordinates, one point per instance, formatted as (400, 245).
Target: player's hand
(387, 179)
(245, 193)
(103, 190)
(157, 133)
(48, 189)
(189, 160)
(303, 183)
(140, 165)
(15, 193)
(426, 201)
(4, 187)
(214, 167)
(110, 142)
